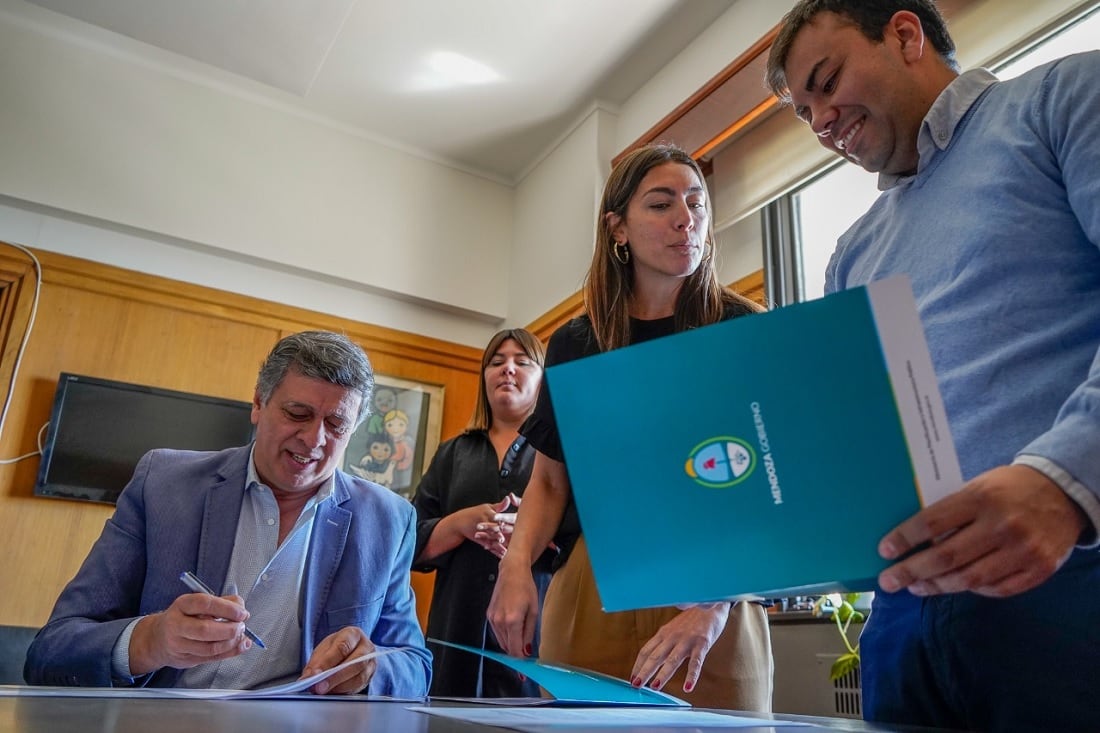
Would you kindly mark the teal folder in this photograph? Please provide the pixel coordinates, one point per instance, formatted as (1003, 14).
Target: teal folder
(763, 456)
(575, 686)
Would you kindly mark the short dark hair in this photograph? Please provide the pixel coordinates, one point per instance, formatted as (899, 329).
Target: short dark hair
(869, 16)
(325, 355)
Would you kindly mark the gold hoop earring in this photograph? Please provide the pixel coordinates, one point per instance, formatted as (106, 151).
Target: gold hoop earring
(621, 251)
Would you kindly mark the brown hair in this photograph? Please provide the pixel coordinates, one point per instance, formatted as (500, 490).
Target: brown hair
(609, 284)
(482, 419)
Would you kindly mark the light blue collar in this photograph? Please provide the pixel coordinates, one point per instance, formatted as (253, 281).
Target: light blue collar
(943, 119)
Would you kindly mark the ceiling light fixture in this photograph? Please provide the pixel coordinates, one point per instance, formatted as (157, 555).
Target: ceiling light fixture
(459, 69)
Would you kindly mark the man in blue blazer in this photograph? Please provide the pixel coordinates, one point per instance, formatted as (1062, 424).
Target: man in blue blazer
(320, 558)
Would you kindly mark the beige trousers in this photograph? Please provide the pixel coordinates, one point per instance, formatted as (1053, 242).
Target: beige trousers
(737, 673)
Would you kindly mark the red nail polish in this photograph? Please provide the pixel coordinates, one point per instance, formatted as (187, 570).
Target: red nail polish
(689, 687)
(527, 650)
(636, 681)
(656, 684)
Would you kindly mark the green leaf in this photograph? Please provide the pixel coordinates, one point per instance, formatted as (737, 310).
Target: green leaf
(844, 664)
(845, 611)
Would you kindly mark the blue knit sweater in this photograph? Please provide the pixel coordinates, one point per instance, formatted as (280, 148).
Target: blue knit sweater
(999, 231)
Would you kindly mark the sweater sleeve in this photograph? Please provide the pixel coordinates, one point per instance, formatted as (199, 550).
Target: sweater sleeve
(1065, 114)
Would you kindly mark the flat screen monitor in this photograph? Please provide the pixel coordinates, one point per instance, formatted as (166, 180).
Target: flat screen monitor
(100, 428)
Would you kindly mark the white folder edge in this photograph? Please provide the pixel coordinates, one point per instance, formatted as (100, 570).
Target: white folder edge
(916, 391)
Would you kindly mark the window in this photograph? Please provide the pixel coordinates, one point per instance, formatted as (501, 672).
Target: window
(1079, 36)
(827, 206)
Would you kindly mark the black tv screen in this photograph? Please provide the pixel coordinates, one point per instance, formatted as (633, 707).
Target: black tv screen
(100, 428)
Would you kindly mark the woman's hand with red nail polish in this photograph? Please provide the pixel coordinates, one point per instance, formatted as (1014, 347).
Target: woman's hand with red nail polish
(686, 638)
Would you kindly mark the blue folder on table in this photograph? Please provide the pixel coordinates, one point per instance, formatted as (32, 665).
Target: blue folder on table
(762, 456)
(568, 685)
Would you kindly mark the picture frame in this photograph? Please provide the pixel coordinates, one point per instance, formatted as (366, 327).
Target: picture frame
(395, 444)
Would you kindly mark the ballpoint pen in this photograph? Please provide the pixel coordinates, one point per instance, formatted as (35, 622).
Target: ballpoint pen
(192, 581)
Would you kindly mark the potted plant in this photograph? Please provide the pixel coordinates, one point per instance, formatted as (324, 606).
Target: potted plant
(844, 613)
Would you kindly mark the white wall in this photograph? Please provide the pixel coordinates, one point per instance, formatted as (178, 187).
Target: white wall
(111, 156)
(555, 215)
(113, 245)
(187, 171)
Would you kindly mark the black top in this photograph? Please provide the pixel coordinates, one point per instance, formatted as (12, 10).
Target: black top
(464, 473)
(575, 340)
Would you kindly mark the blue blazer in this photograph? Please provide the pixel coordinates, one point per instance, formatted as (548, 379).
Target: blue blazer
(180, 512)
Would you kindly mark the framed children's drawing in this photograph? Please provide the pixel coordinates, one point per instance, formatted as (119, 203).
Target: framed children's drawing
(396, 442)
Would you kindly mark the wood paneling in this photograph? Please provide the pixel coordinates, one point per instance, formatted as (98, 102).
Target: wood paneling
(559, 315)
(117, 324)
(710, 116)
(752, 287)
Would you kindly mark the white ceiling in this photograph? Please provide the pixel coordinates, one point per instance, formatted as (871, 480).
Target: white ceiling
(535, 67)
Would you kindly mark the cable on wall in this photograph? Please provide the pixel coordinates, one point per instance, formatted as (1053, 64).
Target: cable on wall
(19, 356)
(32, 454)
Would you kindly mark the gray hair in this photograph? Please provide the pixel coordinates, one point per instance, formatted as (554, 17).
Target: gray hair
(332, 357)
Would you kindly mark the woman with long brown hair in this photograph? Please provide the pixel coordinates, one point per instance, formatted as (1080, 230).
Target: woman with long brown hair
(652, 274)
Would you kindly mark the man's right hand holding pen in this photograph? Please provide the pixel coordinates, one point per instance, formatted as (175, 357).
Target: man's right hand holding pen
(197, 628)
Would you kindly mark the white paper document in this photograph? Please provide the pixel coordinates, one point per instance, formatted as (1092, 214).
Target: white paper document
(297, 687)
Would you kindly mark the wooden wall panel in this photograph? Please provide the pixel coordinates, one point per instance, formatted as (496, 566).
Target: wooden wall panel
(752, 287)
(558, 316)
(117, 324)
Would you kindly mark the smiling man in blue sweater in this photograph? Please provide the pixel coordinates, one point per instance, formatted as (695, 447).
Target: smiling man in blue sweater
(991, 205)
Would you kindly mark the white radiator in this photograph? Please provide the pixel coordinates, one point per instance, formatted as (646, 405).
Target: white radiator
(844, 694)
